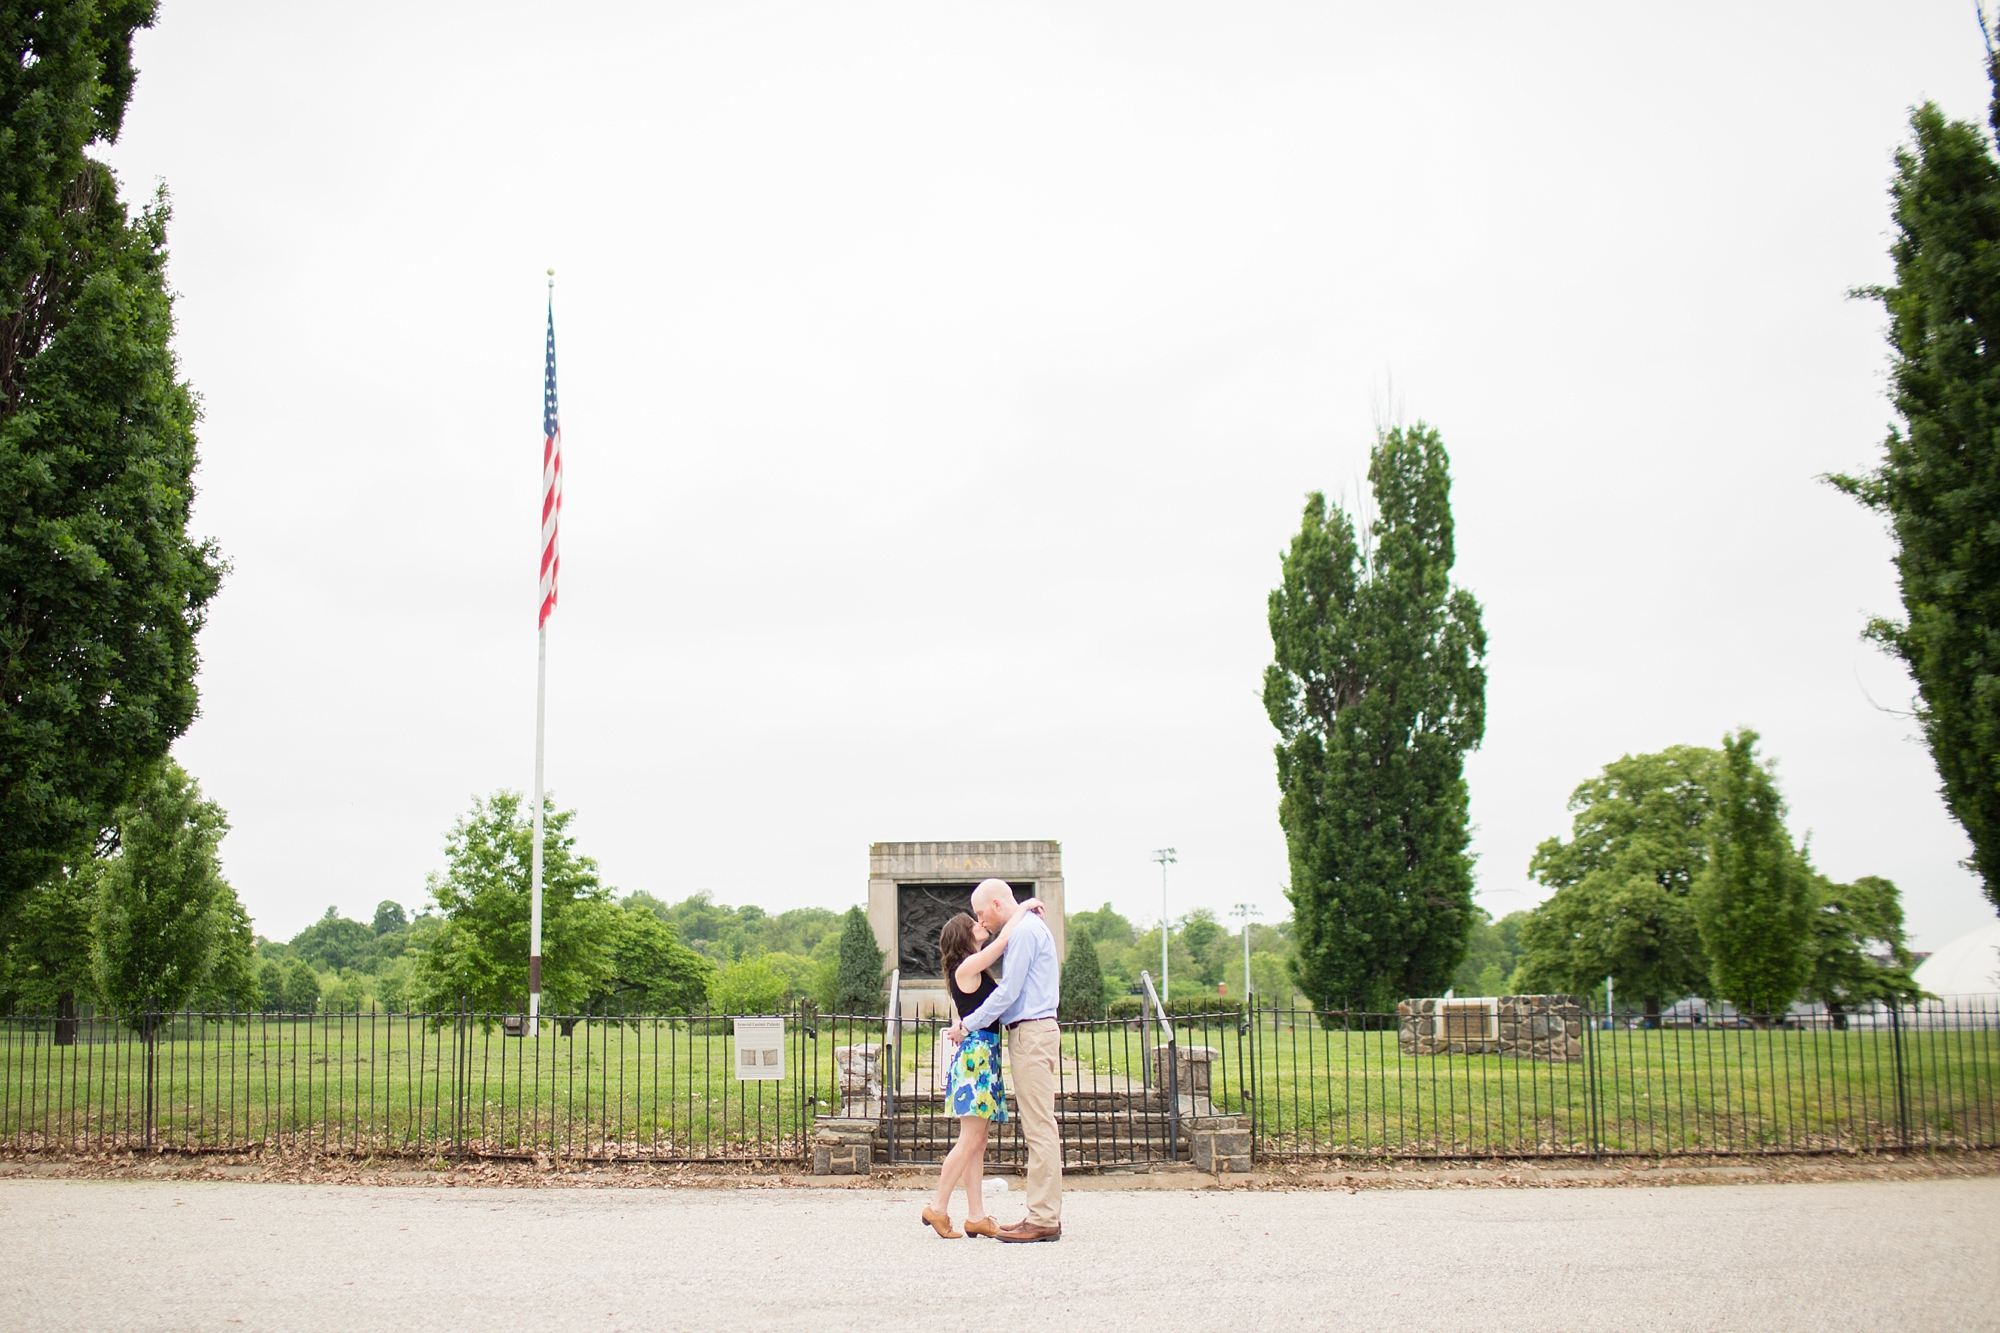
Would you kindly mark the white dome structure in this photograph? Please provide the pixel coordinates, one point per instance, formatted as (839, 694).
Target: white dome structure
(1969, 965)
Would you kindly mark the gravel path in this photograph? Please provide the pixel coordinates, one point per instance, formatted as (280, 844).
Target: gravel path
(84, 1254)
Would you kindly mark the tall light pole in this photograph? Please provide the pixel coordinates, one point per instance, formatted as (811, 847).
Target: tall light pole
(1243, 912)
(1165, 856)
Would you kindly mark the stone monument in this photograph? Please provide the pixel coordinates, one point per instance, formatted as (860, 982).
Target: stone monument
(915, 887)
(1531, 1027)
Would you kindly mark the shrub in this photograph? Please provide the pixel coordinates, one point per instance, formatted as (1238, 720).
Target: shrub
(1187, 1006)
(1197, 1005)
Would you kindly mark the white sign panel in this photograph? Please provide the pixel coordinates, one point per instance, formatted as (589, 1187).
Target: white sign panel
(760, 1048)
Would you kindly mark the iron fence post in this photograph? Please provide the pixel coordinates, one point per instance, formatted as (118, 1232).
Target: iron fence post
(1594, 1115)
(148, 1020)
(458, 1082)
(1902, 1091)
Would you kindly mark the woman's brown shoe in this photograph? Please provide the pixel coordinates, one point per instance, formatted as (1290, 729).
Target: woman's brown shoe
(941, 1223)
(982, 1226)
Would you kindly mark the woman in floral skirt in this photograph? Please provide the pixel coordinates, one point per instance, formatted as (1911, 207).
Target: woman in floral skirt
(973, 1088)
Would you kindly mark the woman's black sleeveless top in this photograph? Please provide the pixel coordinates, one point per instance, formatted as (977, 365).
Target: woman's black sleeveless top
(969, 1001)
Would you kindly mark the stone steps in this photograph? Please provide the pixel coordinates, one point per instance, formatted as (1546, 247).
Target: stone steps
(855, 1146)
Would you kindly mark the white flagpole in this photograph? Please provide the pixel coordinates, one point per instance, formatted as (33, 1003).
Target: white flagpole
(535, 910)
(535, 856)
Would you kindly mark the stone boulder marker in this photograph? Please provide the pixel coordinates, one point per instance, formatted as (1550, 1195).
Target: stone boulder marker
(1531, 1027)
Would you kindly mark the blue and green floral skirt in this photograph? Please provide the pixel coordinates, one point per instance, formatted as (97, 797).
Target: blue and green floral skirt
(973, 1086)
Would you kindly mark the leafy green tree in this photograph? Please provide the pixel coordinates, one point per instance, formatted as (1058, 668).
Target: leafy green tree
(652, 972)
(381, 951)
(1493, 951)
(748, 986)
(271, 984)
(102, 591)
(858, 987)
(334, 942)
(1104, 926)
(1082, 984)
(392, 985)
(167, 928)
(1939, 482)
(1270, 975)
(1378, 692)
(299, 990)
(1858, 953)
(1623, 904)
(45, 954)
(480, 952)
(232, 980)
(389, 916)
(804, 976)
(1754, 899)
(721, 932)
(1207, 946)
(1144, 956)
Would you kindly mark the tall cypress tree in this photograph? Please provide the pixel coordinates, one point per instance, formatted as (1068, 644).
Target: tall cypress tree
(1082, 984)
(101, 590)
(858, 982)
(1939, 481)
(1378, 692)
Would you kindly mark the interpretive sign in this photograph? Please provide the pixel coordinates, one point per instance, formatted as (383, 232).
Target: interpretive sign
(760, 1048)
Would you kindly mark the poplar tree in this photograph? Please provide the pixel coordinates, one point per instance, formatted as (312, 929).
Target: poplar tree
(101, 589)
(1754, 900)
(1939, 480)
(1378, 691)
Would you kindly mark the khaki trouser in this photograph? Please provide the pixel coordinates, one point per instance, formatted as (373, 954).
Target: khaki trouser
(1032, 1049)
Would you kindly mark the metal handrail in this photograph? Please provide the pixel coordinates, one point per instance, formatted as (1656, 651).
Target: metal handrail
(892, 1051)
(1173, 1068)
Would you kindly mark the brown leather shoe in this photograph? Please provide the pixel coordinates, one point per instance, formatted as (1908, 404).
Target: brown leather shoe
(1024, 1232)
(941, 1223)
(982, 1226)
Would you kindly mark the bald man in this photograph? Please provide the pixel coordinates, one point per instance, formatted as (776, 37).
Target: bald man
(1030, 982)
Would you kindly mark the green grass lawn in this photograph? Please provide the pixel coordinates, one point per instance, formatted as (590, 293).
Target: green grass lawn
(381, 1083)
(1712, 1090)
(667, 1089)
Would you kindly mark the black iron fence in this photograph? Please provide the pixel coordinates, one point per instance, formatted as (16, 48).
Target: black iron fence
(581, 1086)
(1302, 1083)
(1127, 1092)
(1336, 1083)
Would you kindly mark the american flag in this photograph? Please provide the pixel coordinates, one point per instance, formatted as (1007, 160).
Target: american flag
(551, 477)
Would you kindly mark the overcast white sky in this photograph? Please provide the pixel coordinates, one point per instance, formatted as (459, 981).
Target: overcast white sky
(940, 384)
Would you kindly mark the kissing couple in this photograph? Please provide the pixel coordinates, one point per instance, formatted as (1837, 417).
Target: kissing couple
(1023, 1002)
